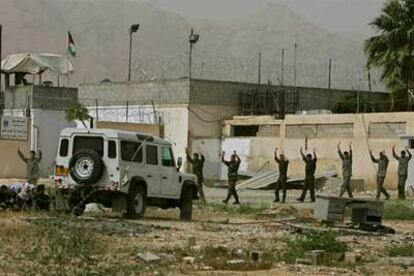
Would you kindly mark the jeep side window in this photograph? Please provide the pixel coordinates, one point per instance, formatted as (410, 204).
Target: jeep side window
(128, 149)
(88, 142)
(167, 157)
(64, 147)
(152, 155)
(111, 149)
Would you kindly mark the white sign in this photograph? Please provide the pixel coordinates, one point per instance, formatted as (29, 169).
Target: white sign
(14, 128)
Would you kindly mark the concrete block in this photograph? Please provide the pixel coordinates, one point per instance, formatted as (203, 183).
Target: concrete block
(316, 256)
(148, 257)
(189, 260)
(303, 261)
(352, 258)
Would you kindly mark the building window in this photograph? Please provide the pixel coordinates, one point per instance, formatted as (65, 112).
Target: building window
(411, 143)
(152, 155)
(246, 131)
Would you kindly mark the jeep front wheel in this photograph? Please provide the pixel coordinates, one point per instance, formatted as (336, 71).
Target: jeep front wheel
(186, 207)
(136, 203)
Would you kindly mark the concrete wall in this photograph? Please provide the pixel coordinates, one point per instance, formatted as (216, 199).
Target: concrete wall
(39, 97)
(155, 130)
(44, 134)
(255, 151)
(136, 93)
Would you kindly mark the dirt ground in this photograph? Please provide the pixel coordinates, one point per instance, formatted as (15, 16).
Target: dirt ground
(217, 242)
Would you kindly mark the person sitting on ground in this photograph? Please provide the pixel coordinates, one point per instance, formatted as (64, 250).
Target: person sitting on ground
(41, 201)
(7, 197)
(32, 166)
(23, 199)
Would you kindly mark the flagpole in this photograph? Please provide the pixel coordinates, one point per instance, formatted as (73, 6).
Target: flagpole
(67, 59)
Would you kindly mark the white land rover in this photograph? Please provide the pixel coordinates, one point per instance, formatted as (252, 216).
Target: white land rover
(123, 170)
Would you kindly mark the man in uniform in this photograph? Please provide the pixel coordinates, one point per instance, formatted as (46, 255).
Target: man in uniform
(282, 181)
(381, 173)
(309, 175)
(233, 167)
(346, 158)
(403, 161)
(198, 163)
(32, 166)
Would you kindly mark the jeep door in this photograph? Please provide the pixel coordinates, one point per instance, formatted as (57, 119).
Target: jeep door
(152, 170)
(170, 185)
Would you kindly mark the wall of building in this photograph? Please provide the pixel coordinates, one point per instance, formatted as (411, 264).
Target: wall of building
(153, 129)
(376, 131)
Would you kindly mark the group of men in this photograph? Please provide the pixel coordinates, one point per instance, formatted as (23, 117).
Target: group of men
(19, 197)
(310, 161)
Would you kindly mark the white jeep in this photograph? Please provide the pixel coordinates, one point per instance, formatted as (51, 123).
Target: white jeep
(123, 170)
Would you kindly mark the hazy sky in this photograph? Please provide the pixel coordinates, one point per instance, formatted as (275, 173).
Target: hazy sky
(345, 16)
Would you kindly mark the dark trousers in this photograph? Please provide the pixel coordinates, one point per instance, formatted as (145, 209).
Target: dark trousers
(309, 185)
(380, 187)
(232, 190)
(401, 186)
(200, 188)
(281, 185)
(346, 186)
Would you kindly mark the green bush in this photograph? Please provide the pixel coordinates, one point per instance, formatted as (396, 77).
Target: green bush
(406, 250)
(402, 210)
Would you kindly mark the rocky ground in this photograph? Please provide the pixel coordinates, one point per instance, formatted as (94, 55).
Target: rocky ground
(219, 241)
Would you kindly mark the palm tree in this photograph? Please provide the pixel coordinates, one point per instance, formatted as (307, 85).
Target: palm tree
(392, 49)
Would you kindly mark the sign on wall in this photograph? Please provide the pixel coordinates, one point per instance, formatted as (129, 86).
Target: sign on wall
(14, 128)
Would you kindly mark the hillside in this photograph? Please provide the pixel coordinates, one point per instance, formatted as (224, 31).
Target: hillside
(227, 49)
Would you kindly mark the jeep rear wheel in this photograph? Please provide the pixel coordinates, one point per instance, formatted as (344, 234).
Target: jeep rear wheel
(86, 167)
(186, 207)
(136, 203)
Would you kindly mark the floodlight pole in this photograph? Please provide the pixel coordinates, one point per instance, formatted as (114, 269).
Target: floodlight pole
(193, 38)
(134, 28)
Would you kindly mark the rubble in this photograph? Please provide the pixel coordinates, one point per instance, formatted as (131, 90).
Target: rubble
(315, 256)
(189, 260)
(148, 257)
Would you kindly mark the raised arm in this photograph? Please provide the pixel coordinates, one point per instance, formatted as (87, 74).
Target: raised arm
(24, 159)
(350, 150)
(314, 155)
(340, 152)
(276, 158)
(237, 157)
(301, 153)
(188, 156)
(222, 157)
(394, 154)
(408, 152)
(202, 157)
(372, 157)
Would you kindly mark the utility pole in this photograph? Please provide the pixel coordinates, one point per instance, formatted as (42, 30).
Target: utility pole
(283, 68)
(329, 73)
(369, 80)
(133, 29)
(294, 65)
(1, 84)
(260, 68)
(193, 38)
(357, 101)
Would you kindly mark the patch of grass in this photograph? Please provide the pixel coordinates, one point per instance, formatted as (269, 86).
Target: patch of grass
(399, 210)
(405, 250)
(297, 247)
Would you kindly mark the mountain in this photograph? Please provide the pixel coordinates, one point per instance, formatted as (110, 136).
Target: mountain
(227, 49)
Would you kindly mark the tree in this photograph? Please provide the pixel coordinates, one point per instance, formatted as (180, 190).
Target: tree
(78, 112)
(392, 49)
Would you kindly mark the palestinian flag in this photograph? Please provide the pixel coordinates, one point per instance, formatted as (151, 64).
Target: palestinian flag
(71, 45)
